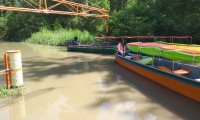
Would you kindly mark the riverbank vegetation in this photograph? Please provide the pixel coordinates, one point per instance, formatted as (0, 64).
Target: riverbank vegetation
(127, 18)
(4, 92)
(59, 37)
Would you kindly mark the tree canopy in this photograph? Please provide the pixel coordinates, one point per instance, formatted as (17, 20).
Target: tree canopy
(127, 17)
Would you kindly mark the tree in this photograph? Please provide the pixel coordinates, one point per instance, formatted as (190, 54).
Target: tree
(180, 17)
(133, 20)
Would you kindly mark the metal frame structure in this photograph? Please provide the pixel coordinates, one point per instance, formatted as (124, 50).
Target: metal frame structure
(74, 9)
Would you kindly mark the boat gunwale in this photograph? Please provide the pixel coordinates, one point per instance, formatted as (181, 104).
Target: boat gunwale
(97, 47)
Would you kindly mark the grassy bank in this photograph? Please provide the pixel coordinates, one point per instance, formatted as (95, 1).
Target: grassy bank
(58, 38)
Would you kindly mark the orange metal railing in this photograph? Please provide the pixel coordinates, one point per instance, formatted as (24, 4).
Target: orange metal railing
(6, 70)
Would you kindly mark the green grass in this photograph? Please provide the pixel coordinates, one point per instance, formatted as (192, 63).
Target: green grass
(58, 38)
(4, 92)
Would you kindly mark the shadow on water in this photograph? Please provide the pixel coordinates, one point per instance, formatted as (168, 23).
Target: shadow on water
(61, 66)
(178, 104)
(39, 61)
(17, 98)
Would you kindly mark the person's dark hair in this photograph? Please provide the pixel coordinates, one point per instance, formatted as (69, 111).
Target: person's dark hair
(76, 38)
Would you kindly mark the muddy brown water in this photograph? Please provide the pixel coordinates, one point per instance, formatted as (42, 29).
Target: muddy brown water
(63, 85)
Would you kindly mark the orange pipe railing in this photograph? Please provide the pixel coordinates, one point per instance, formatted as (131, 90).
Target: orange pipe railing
(7, 71)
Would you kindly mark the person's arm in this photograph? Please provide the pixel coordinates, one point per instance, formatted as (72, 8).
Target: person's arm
(124, 52)
(124, 48)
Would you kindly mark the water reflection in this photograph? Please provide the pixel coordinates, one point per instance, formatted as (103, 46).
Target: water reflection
(184, 107)
(17, 110)
(45, 50)
(14, 109)
(125, 110)
(119, 78)
(16, 105)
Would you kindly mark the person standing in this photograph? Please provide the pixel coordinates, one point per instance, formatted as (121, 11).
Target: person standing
(120, 49)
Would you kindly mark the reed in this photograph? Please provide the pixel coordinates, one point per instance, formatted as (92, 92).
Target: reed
(4, 92)
(59, 37)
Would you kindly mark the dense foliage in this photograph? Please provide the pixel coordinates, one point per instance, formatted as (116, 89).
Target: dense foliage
(158, 17)
(127, 17)
(59, 37)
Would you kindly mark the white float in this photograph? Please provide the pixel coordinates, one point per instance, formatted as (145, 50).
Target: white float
(15, 65)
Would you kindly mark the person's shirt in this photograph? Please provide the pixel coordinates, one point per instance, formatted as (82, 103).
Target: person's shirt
(74, 42)
(120, 48)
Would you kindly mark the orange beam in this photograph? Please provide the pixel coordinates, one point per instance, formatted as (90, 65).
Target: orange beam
(51, 12)
(78, 9)
(45, 4)
(39, 4)
(106, 25)
(78, 4)
(81, 6)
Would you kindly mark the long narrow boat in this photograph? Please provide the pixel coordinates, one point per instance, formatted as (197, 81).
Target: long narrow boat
(92, 49)
(181, 77)
(107, 46)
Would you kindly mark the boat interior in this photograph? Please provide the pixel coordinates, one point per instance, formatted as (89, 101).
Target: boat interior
(190, 71)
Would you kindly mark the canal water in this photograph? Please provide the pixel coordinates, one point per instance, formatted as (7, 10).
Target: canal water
(63, 85)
